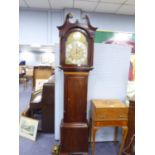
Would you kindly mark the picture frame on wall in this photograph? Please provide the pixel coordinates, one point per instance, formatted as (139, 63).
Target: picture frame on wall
(28, 127)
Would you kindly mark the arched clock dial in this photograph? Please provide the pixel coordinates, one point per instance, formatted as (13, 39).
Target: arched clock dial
(76, 49)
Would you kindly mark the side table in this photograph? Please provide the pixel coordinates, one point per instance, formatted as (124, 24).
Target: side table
(107, 113)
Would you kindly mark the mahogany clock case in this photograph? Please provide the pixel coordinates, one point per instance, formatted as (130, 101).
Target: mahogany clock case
(74, 126)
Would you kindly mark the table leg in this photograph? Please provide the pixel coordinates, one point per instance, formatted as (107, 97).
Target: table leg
(115, 134)
(124, 134)
(93, 139)
(90, 132)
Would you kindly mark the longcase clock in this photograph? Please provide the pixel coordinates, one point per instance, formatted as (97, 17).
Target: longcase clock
(76, 60)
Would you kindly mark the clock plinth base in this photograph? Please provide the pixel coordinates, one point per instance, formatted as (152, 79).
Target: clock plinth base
(74, 138)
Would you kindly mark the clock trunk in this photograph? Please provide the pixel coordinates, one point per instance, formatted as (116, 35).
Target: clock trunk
(75, 96)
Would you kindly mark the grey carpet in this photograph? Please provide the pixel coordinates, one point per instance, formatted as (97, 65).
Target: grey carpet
(44, 142)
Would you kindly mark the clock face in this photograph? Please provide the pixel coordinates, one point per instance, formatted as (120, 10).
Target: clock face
(76, 49)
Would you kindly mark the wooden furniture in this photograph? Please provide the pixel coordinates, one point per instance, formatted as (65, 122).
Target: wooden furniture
(109, 113)
(76, 60)
(22, 73)
(25, 74)
(29, 72)
(130, 139)
(41, 73)
(43, 109)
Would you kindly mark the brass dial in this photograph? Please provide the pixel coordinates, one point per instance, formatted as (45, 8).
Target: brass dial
(76, 49)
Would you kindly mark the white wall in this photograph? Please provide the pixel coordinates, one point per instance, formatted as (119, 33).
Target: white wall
(35, 58)
(33, 27)
(40, 27)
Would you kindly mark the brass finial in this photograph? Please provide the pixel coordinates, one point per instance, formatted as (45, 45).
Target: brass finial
(55, 149)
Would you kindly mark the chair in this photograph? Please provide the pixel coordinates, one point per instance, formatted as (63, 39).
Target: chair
(29, 72)
(22, 73)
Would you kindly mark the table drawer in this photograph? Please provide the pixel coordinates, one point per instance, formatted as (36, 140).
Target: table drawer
(109, 123)
(111, 114)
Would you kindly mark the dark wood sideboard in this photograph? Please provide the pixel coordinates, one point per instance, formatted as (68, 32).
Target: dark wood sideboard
(129, 147)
